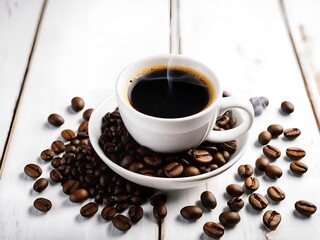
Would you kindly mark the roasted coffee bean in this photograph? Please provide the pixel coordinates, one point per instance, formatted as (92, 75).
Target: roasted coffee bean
(295, 153)
(89, 209)
(213, 229)
(259, 104)
(219, 159)
(229, 218)
(79, 195)
(40, 185)
(83, 128)
(55, 175)
(47, 155)
(108, 212)
(68, 134)
(271, 152)
(42, 204)
(305, 207)
(58, 147)
(87, 114)
(33, 170)
(234, 190)
(159, 198)
(144, 151)
(271, 219)
(235, 204)
(69, 186)
(287, 107)
(136, 213)
(251, 183)
(298, 167)
(173, 169)
(292, 133)
(190, 171)
(55, 119)
(275, 193)
(138, 166)
(191, 213)
(245, 170)
(159, 212)
(208, 200)
(273, 171)
(275, 130)
(230, 146)
(264, 137)
(258, 201)
(137, 199)
(261, 163)
(222, 121)
(77, 104)
(152, 161)
(122, 222)
(201, 156)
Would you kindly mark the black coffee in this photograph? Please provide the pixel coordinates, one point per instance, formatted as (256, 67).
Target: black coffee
(170, 93)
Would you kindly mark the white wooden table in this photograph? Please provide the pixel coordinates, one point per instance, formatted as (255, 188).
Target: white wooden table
(53, 50)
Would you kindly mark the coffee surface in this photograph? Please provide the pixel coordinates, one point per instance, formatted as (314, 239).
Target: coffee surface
(169, 93)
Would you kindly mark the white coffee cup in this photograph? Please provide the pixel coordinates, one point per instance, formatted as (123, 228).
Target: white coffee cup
(178, 134)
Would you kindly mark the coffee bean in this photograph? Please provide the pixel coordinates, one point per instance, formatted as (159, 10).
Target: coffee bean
(87, 114)
(275, 130)
(229, 218)
(295, 153)
(79, 195)
(259, 104)
(47, 155)
(305, 207)
(271, 152)
(208, 200)
(234, 190)
(136, 213)
(251, 183)
(275, 193)
(56, 175)
(202, 156)
(287, 107)
(57, 147)
(298, 167)
(213, 229)
(152, 161)
(108, 212)
(191, 212)
(235, 204)
(42, 204)
(258, 201)
(40, 185)
(173, 169)
(292, 133)
(230, 146)
(89, 209)
(122, 222)
(55, 119)
(190, 171)
(219, 159)
(68, 134)
(261, 163)
(33, 170)
(77, 104)
(69, 186)
(273, 171)
(160, 212)
(271, 219)
(264, 137)
(159, 198)
(83, 128)
(245, 170)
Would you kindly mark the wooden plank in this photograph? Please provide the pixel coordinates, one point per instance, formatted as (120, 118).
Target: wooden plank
(18, 23)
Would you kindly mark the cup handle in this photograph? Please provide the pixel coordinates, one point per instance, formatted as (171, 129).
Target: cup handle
(229, 135)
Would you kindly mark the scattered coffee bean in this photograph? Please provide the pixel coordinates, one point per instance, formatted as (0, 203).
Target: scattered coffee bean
(122, 222)
(68, 134)
(271, 152)
(108, 212)
(55, 119)
(33, 170)
(160, 212)
(213, 229)
(273, 171)
(58, 147)
(77, 104)
(229, 218)
(264, 137)
(87, 114)
(159, 198)
(136, 213)
(47, 155)
(295, 153)
(262, 163)
(298, 167)
(292, 133)
(42, 204)
(208, 200)
(275, 193)
(287, 107)
(69, 186)
(191, 213)
(275, 130)
(79, 195)
(89, 209)
(245, 170)
(305, 207)
(40, 185)
(271, 219)
(234, 190)
(55, 175)
(258, 201)
(235, 204)
(251, 183)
